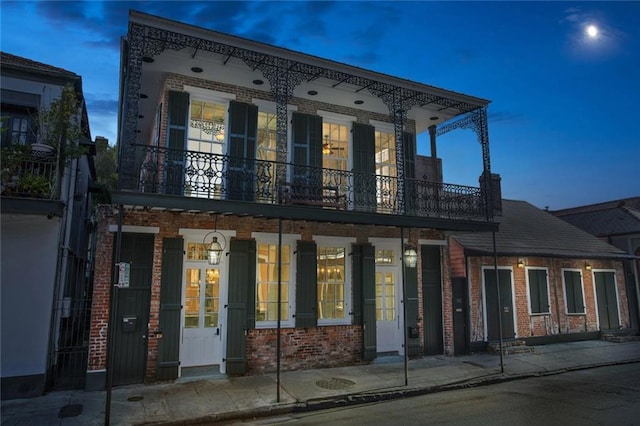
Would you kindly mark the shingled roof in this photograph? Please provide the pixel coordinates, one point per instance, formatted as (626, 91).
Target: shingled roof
(619, 217)
(18, 61)
(525, 230)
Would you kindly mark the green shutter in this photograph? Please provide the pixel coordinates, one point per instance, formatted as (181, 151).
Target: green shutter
(409, 145)
(538, 293)
(364, 167)
(573, 291)
(356, 282)
(307, 155)
(176, 141)
(369, 302)
(170, 309)
(241, 310)
(413, 315)
(432, 300)
(243, 134)
(306, 284)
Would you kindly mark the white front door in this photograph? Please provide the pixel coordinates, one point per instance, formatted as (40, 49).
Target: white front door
(388, 309)
(202, 329)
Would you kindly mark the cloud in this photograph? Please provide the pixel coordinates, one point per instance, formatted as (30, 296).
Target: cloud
(102, 106)
(504, 117)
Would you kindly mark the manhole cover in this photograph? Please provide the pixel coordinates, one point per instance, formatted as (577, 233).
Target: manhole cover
(334, 383)
(135, 398)
(71, 410)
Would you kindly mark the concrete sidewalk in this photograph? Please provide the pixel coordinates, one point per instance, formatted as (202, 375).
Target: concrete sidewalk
(216, 399)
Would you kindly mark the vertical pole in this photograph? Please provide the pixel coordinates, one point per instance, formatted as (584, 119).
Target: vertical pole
(495, 267)
(404, 312)
(279, 309)
(112, 316)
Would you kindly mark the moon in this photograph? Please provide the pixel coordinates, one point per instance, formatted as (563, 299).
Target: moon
(591, 31)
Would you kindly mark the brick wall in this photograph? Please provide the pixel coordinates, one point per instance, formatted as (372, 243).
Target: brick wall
(302, 348)
(557, 321)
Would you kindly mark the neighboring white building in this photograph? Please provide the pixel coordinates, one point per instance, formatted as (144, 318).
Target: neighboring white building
(46, 228)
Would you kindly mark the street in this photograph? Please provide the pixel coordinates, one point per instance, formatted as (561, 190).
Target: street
(606, 395)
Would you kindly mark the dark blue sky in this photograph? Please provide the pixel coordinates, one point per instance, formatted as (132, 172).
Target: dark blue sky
(564, 122)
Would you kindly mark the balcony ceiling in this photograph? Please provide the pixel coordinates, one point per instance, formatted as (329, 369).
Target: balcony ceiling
(232, 70)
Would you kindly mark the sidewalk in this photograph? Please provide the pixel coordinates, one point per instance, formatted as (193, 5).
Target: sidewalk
(215, 399)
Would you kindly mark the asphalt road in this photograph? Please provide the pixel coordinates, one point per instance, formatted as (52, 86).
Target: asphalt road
(598, 396)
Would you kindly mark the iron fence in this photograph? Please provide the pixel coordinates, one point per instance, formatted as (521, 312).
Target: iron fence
(215, 176)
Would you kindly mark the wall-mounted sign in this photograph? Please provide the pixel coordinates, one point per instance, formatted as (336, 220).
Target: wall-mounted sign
(124, 274)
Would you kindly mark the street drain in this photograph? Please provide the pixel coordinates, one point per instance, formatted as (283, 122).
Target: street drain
(71, 410)
(335, 383)
(135, 398)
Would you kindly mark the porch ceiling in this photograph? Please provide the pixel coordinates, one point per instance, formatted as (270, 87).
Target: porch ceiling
(334, 83)
(160, 202)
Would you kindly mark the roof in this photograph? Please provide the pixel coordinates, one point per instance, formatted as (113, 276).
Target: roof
(525, 230)
(618, 217)
(18, 61)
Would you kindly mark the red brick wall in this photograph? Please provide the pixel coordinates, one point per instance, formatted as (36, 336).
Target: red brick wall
(302, 348)
(322, 346)
(557, 321)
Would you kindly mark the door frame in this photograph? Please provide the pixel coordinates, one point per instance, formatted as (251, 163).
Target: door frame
(595, 292)
(197, 235)
(393, 244)
(484, 300)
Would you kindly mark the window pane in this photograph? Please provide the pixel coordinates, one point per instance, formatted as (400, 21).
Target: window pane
(331, 282)
(192, 298)
(267, 286)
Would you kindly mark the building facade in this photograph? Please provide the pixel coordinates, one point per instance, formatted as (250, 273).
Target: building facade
(618, 223)
(46, 221)
(306, 172)
(555, 282)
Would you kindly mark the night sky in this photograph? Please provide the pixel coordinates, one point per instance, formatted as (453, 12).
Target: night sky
(564, 118)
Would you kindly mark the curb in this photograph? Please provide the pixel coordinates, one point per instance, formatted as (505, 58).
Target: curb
(360, 398)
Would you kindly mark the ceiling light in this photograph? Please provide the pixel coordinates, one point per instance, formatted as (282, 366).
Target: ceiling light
(312, 93)
(196, 69)
(143, 96)
(148, 59)
(358, 102)
(434, 118)
(258, 82)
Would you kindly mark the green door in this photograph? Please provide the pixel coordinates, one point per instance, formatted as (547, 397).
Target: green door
(607, 300)
(432, 300)
(132, 310)
(496, 312)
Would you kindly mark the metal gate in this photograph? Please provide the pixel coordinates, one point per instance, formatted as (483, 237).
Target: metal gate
(72, 322)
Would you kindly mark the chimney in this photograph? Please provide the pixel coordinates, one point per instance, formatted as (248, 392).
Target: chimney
(496, 191)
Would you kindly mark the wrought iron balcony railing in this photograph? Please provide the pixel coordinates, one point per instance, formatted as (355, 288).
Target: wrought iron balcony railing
(29, 175)
(215, 176)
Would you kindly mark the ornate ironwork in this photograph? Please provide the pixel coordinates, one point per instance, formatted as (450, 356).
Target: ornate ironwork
(477, 121)
(221, 177)
(284, 75)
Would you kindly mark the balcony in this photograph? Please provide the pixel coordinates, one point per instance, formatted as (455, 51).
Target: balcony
(30, 173)
(204, 176)
(29, 181)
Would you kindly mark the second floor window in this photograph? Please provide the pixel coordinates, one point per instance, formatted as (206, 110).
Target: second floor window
(386, 185)
(207, 127)
(17, 126)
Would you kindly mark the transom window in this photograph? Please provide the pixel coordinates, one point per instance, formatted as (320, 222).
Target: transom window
(267, 286)
(331, 282)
